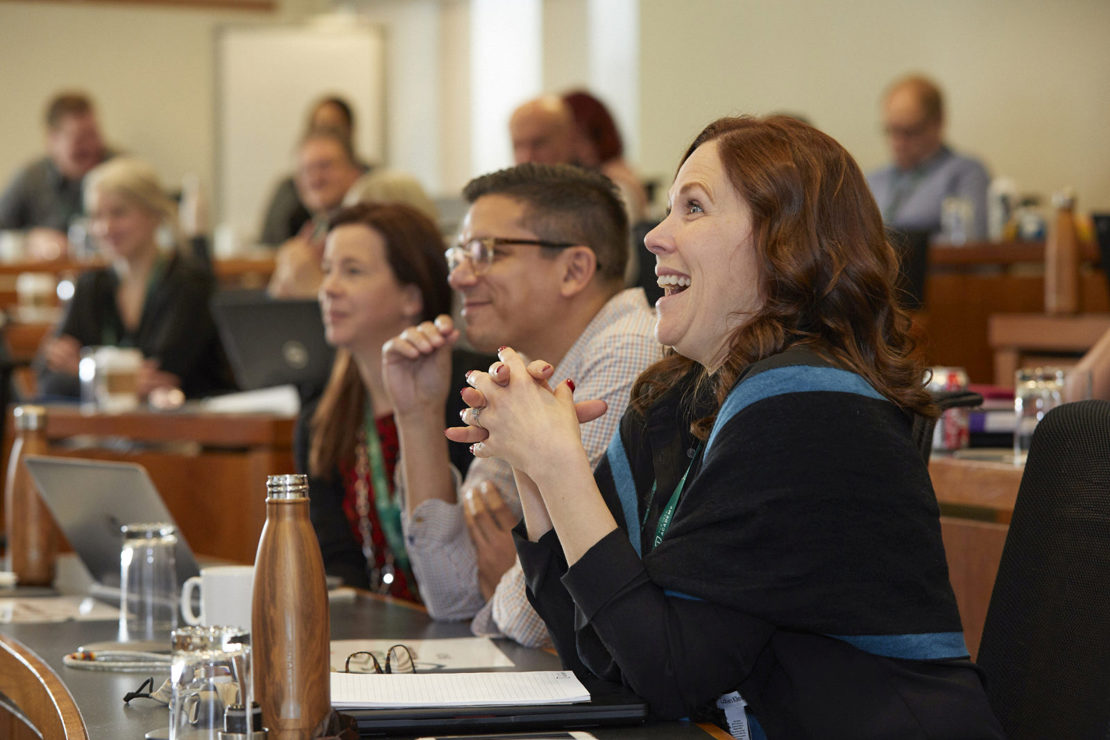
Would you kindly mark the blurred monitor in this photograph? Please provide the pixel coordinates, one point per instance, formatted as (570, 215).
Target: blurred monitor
(272, 341)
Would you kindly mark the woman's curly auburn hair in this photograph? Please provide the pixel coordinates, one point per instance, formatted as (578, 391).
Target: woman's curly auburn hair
(827, 271)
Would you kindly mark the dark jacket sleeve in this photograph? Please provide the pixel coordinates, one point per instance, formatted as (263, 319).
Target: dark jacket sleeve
(341, 553)
(285, 215)
(178, 330)
(13, 211)
(82, 322)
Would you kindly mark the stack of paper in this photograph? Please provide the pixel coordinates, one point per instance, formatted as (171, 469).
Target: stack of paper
(391, 691)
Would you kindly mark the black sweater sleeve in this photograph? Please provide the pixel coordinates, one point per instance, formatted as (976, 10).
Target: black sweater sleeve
(607, 619)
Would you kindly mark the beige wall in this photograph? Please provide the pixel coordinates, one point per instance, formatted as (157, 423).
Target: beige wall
(149, 69)
(1027, 80)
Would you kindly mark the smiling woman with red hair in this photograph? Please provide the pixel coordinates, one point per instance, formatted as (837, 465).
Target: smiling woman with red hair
(761, 545)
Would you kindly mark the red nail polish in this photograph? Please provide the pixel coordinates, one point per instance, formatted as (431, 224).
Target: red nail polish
(502, 348)
(468, 374)
(570, 384)
(547, 368)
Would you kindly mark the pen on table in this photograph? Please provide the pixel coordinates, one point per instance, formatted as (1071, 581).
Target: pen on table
(117, 655)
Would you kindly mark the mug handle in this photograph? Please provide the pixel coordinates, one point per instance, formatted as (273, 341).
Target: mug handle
(187, 588)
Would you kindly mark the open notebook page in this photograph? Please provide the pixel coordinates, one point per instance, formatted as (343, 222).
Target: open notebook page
(512, 688)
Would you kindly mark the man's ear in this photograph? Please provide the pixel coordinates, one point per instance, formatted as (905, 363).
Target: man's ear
(580, 265)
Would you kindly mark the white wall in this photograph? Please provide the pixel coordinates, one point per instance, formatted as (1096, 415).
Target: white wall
(1028, 82)
(150, 70)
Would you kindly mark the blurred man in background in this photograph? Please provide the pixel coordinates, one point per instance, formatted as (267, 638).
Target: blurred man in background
(45, 196)
(911, 190)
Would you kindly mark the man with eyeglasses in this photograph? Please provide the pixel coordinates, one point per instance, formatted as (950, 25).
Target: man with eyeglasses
(539, 265)
(326, 170)
(925, 170)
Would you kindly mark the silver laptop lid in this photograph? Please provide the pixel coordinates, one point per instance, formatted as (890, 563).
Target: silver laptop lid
(91, 499)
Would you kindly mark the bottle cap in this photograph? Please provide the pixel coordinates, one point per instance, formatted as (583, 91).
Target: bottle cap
(1064, 198)
(286, 486)
(29, 418)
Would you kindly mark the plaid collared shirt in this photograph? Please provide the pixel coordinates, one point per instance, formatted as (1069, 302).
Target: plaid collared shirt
(616, 346)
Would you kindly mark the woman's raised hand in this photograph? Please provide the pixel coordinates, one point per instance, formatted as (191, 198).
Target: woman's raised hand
(513, 413)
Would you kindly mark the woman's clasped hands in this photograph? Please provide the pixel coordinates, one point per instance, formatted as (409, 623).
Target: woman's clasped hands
(513, 411)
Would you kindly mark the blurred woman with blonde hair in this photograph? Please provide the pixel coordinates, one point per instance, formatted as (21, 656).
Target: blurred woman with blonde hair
(149, 296)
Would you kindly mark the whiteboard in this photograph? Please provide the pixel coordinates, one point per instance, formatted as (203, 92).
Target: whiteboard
(267, 77)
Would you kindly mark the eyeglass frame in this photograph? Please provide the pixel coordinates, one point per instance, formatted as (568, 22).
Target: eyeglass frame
(488, 243)
(914, 131)
(377, 663)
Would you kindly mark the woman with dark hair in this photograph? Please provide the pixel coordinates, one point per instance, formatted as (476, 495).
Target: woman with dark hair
(384, 270)
(761, 544)
(598, 145)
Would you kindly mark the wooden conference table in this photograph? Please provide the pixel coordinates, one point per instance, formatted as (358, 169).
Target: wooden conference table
(210, 468)
(966, 285)
(976, 500)
(92, 701)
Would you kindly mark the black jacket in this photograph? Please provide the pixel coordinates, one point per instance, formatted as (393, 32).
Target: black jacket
(803, 568)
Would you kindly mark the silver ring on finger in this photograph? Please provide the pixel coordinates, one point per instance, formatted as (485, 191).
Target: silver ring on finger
(474, 417)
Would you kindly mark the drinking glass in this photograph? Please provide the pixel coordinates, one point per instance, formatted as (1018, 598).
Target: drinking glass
(210, 671)
(956, 216)
(148, 582)
(1038, 390)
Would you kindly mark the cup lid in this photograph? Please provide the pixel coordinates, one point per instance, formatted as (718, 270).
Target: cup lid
(29, 417)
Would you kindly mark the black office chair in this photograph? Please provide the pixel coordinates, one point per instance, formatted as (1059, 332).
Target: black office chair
(1046, 641)
(913, 265)
(923, 426)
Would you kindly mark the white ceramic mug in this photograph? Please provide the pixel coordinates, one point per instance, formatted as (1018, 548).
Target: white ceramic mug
(225, 596)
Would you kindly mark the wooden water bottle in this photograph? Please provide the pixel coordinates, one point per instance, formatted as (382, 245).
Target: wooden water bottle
(1061, 259)
(290, 631)
(32, 536)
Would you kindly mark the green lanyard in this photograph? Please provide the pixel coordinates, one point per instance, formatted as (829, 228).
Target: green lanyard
(389, 513)
(672, 504)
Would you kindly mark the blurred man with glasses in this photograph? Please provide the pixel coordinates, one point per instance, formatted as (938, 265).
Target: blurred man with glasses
(924, 170)
(538, 266)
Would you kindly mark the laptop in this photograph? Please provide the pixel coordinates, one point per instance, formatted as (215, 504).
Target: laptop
(91, 499)
(272, 342)
(610, 705)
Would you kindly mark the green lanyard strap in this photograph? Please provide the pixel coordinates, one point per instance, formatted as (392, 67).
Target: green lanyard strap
(672, 503)
(389, 512)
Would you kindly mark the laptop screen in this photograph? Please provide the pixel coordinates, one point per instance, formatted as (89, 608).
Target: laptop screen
(91, 499)
(273, 342)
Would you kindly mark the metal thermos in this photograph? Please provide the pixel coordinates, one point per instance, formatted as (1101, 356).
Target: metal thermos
(32, 534)
(289, 616)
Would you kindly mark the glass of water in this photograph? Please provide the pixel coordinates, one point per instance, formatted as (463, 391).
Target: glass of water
(1038, 390)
